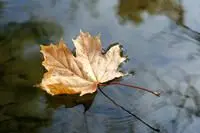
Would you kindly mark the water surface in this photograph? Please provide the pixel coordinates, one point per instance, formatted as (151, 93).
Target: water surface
(160, 37)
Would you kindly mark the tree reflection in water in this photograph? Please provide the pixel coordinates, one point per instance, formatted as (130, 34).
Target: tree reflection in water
(21, 109)
(132, 10)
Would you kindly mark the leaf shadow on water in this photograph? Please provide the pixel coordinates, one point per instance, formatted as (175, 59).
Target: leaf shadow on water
(70, 101)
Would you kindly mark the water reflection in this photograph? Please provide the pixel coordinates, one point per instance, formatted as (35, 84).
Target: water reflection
(134, 10)
(162, 54)
(1, 6)
(22, 109)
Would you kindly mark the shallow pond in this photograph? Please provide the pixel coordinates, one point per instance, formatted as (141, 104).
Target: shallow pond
(160, 37)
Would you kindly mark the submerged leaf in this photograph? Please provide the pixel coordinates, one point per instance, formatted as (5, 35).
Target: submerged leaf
(79, 74)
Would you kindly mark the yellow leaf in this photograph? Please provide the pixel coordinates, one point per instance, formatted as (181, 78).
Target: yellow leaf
(69, 74)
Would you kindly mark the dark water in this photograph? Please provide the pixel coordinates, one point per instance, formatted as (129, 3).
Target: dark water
(160, 38)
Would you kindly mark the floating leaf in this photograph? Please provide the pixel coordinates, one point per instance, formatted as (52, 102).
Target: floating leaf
(83, 72)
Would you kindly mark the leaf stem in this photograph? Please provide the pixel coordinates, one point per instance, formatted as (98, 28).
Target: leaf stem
(145, 123)
(133, 86)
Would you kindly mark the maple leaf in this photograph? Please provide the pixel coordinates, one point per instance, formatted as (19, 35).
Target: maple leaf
(83, 72)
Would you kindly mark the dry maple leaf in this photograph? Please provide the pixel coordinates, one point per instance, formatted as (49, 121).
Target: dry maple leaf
(83, 72)
(80, 73)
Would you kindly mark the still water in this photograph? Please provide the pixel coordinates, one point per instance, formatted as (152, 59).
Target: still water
(160, 37)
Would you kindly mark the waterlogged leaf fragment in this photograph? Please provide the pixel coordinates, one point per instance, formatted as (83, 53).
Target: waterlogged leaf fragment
(80, 73)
